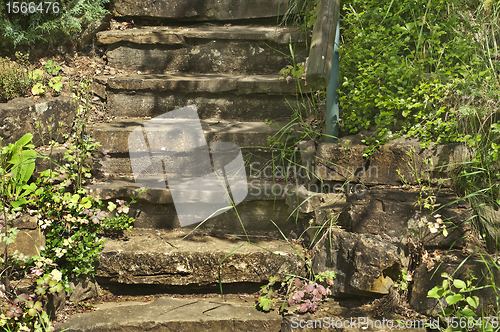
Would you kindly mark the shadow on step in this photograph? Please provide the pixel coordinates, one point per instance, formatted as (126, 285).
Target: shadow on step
(229, 288)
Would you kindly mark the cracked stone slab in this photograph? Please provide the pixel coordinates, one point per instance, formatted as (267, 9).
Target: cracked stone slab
(175, 315)
(210, 83)
(170, 260)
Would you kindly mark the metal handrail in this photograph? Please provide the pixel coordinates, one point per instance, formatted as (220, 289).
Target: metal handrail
(323, 65)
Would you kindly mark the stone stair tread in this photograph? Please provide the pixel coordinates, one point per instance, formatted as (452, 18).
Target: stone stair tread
(217, 96)
(196, 83)
(114, 135)
(178, 35)
(125, 186)
(178, 258)
(175, 315)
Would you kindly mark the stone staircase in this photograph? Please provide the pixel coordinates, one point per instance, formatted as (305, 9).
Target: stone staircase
(230, 73)
(224, 57)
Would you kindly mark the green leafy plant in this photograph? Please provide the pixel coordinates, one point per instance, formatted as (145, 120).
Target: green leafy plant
(17, 164)
(403, 280)
(25, 314)
(74, 224)
(414, 68)
(52, 68)
(18, 79)
(459, 314)
(49, 78)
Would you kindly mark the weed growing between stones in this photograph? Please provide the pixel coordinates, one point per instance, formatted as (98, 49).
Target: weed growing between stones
(459, 313)
(74, 224)
(420, 226)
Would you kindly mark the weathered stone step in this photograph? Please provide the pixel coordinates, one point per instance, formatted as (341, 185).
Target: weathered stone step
(200, 10)
(219, 97)
(114, 135)
(214, 314)
(251, 137)
(169, 259)
(175, 315)
(264, 202)
(257, 161)
(203, 49)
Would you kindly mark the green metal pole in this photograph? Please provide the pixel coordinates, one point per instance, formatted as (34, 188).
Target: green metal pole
(332, 98)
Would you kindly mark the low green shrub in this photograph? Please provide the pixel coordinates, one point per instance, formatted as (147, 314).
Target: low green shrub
(61, 21)
(14, 77)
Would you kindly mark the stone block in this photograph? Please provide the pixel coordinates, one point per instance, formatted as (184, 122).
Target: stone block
(206, 49)
(217, 106)
(28, 240)
(82, 289)
(200, 10)
(169, 260)
(365, 265)
(458, 266)
(390, 163)
(174, 315)
(490, 226)
(19, 116)
(388, 212)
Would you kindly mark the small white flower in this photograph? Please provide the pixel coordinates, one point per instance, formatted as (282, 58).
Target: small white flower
(56, 275)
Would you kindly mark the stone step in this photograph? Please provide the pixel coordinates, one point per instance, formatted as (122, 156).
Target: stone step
(217, 97)
(257, 161)
(203, 49)
(175, 315)
(114, 135)
(180, 259)
(200, 10)
(233, 313)
(155, 209)
(251, 137)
